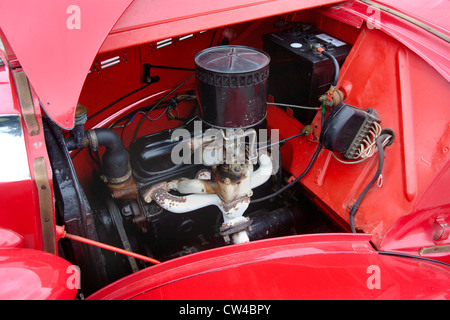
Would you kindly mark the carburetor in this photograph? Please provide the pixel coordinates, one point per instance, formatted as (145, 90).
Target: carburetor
(232, 94)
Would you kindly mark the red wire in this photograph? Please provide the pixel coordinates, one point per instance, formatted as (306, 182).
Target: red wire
(63, 234)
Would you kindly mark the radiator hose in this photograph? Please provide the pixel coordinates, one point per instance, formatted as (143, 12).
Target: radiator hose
(115, 161)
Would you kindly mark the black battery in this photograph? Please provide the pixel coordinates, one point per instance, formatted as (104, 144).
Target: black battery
(298, 75)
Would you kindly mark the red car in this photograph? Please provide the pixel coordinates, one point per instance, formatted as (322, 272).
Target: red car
(224, 150)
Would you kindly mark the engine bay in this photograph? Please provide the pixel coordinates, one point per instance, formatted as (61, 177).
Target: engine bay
(203, 152)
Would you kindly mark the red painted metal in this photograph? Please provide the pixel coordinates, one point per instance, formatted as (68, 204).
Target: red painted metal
(56, 43)
(322, 266)
(10, 239)
(432, 13)
(27, 274)
(19, 205)
(428, 226)
(20, 212)
(398, 89)
(144, 21)
(397, 68)
(61, 233)
(428, 46)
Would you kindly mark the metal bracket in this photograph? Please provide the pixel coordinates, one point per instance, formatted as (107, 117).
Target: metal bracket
(440, 240)
(26, 102)
(434, 249)
(445, 229)
(45, 205)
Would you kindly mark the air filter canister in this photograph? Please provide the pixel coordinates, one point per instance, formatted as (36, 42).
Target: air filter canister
(232, 86)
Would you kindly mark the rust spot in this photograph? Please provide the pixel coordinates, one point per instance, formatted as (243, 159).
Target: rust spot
(209, 186)
(232, 205)
(125, 190)
(160, 194)
(203, 174)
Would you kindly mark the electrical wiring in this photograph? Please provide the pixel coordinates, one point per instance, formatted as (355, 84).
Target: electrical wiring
(313, 159)
(157, 118)
(335, 64)
(376, 140)
(348, 162)
(283, 140)
(379, 143)
(130, 116)
(168, 106)
(335, 80)
(161, 101)
(405, 255)
(292, 106)
(113, 126)
(282, 189)
(171, 68)
(368, 146)
(319, 147)
(118, 100)
(137, 90)
(130, 119)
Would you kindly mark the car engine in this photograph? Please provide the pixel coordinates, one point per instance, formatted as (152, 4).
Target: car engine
(215, 179)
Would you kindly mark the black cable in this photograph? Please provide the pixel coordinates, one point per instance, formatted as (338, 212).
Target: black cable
(292, 137)
(159, 102)
(171, 68)
(283, 140)
(313, 159)
(76, 153)
(405, 255)
(336, 67)
(117, 101)
(132, 113)
(355, 207)
(95, 158)
(129, 117)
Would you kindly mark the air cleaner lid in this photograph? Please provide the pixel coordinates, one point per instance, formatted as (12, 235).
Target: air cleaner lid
(232, 59)
(232, 86)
